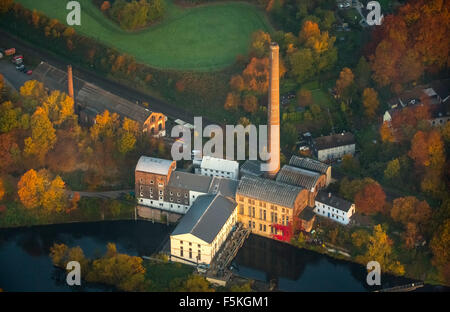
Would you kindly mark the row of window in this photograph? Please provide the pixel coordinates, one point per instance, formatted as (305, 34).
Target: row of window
(333, 216)
(262, 227)
(260, 203)
(331, 209)
(199, 253)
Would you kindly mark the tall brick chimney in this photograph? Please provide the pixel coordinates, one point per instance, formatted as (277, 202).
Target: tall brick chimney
(70, 81)
(274, 108)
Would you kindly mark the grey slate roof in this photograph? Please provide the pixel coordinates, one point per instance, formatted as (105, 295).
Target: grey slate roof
(90, 95)
(308, 164)
(203, 184)
(333, 201)
(251, 167)
(190, 181)
(154, 165)
(298, 176)
(307, 214)
(206, 217)
(335, 140)
(268, 190)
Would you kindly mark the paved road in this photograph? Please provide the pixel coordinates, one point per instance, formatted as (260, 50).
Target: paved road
(15, 78)
(126, 92)
(107, 194)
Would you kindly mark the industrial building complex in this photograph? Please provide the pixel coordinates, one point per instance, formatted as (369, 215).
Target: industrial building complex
(215, 197)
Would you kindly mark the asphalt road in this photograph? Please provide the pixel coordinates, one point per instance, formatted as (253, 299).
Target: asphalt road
(12, 75)
(126, 92)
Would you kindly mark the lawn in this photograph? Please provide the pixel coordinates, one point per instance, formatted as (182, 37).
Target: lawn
(203, 38)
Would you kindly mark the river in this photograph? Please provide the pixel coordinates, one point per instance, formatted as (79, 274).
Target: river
(26, 266)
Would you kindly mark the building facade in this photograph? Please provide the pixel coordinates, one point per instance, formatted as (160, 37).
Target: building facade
(334, 208)
(218, 167)
(203, 230)
(332, 147)
(269, 208)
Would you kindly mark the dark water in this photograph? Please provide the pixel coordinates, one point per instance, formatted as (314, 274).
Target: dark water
(26, 266)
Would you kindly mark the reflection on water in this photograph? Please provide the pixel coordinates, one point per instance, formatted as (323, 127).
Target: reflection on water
(26, 266)
(297, 269)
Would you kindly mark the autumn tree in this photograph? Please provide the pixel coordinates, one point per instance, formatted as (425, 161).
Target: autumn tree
(31, 188)
(9, 152)
(5, 5)
(304, 97)
(427, 149)
(344, 82)
(55, 198)
(410, 210)
(106, 126)
(10, 117)
(387, 133)
(59, 107)
(379, 248)
(2, 189)
(260, 44)
(370, 199)
(392, 170)
(237, 83)
(232, 101)
(106, 5)
(43, 136)
(440, 246)
(256, 75)
(370, 102)
(250, 103)
(33, 92)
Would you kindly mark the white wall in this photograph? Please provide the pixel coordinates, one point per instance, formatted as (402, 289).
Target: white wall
(335, 152)
(333, 213)
(167, 206)
(207, 251)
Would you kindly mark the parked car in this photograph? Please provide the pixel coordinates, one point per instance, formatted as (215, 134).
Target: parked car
(29, 72)
(20, 67)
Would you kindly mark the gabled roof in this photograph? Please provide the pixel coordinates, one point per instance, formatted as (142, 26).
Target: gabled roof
(206, 217)
(298, 176)
(333, 201)
(335, 140)
(309, 164)
(190, 181)
(251, 167)
(154, 165)
(268, 191)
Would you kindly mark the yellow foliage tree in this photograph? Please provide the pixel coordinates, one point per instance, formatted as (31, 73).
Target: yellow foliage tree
(30, 189)
(43, 136)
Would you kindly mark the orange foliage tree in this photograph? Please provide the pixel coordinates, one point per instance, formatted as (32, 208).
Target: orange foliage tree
(370, 199)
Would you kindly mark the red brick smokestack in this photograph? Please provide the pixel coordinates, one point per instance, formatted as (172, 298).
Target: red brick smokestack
(70, 81)
(274, 107)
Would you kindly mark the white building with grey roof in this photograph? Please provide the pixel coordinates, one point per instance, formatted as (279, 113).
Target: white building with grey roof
(218, 167)
(334, 208)
(312, 165)
(203, 230)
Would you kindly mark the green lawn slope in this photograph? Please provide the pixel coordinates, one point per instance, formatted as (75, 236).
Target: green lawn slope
(203, 38)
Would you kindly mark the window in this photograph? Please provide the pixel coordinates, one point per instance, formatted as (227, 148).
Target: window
(151, 181)
(241, 209)
(190, 253)
(264, 227)
(199, 257)
(171, 193)
(264, 216)
(181, 251)
(253, 224)
(253, 212)
(260, 227)
(249, 224)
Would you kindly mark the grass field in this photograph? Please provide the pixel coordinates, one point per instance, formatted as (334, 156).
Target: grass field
(203, 38)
